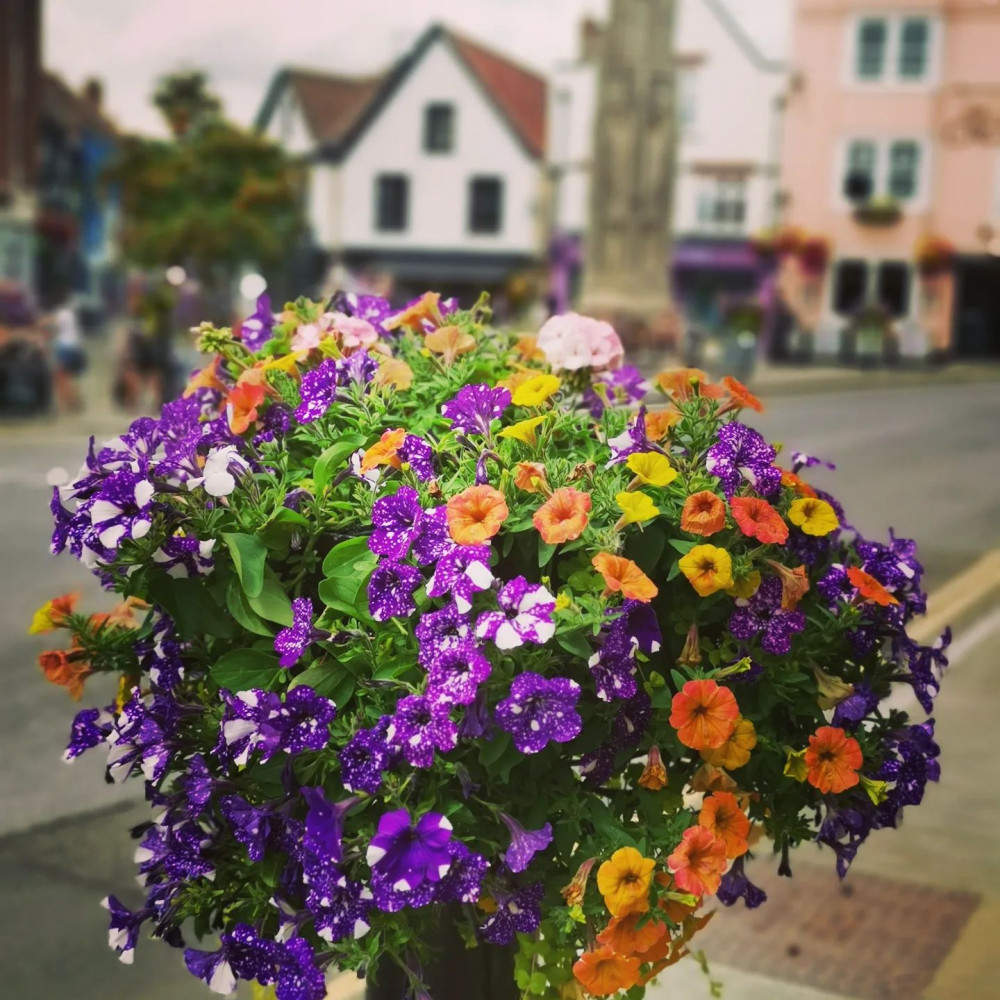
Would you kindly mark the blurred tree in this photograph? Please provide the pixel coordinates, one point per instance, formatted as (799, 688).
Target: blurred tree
(213, 198)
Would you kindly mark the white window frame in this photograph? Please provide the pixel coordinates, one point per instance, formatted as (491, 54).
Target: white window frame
(883, 144)
(708, 190)
(890, 77)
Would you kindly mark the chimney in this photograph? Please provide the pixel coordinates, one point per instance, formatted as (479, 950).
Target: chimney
(93, 93)
(591, 40)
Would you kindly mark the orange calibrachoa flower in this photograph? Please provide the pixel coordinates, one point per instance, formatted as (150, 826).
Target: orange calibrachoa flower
(624, 937)
(394, 372)
(698, 861)
(206, 378)
(244, 399)
(52, 613)
(654, 774)
(385, 451)
(794, 584)
(624, 881)
(813, 516)
(833, 759)
(735, 751)
(427, 307)
(869, 588)
(527, 348)
(449, 342)
(722, 816)
(659, 422)
(475, 515)
(740, 397)
(684, 383)
(65, 669)
(704, 514)
(622, 574)
(530, 477)
(758, 519)
(603, 972)
(704, 714)
(708, 569)
(789, 478)
(563, 516)
(711, 779)
(577, 888)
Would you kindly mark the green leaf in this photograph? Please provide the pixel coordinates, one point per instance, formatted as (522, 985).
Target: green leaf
(249, 558)
(344, 555)
(236, 605)
(243, 669)
(545, 551)
(347, 567)
(190, 604)
(575, 643)
(678, 678)
(272, 603)
(538, 982)
(646, 547)
(328, 464)
(674, 571)
(682, 546)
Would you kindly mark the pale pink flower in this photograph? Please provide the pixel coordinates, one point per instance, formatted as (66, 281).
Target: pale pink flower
(355, 333)
(572, 341)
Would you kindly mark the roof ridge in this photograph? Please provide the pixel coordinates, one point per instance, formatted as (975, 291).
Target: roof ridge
(518, 64)
(743, 40)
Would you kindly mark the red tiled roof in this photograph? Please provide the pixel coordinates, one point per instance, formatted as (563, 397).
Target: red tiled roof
(519, 93)
(332, 105)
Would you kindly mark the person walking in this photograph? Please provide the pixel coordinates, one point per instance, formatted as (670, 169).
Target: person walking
(68, 355)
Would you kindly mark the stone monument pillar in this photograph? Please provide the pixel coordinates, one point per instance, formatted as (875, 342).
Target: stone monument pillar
(628, 245)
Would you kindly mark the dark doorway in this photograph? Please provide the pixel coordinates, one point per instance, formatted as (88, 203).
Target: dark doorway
(977, 307)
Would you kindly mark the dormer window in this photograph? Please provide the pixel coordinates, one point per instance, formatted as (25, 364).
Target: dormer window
(439, 128)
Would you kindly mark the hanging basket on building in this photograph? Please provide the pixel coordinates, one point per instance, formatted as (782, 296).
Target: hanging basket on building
(813, 253)
(934, 256)
(878, 212)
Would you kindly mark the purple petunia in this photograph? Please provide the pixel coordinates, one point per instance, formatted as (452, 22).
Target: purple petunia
(633, 439)
(364, 758)
(464, 879)
(339, 905)
(255, 330)
(409, 854)
(475, 407)
(420, 726)
(524, 844)
(621, 387)
(419, 455)
(613, 665)
(525, 615)
(291, 643)
(91, 727)
(325, 824)
(318, 391)
(251, 825)
(123, 927)
(391, 589)
(539, 711)
(762, 613)
(461, 573)
(441, 630)
(736, 886)
(455, 673)
(434, 541)
(399, 521)
(741, 455)
(518, 912)
(243, 954)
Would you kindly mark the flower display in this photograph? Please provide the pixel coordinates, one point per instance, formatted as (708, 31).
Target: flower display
(426, 621)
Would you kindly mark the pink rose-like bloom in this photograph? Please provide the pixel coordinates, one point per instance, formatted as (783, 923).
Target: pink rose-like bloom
(572, 341)
(355, 333)
(308, 336)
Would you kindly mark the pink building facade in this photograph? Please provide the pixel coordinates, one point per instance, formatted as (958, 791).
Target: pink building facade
(892, 137)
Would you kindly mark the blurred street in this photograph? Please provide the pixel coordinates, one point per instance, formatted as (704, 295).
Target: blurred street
(899, 462)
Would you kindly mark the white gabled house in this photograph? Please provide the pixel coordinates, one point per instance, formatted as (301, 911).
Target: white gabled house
(432, 172)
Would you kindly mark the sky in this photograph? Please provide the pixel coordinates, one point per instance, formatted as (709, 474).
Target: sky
(130, 43)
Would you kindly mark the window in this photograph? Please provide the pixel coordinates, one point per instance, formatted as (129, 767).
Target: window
(722, 206)
(439, 128)
(904, 169)
(392, 195)
(850, 285)
(859, 178)
(892, 287)
(687, 106)
(914, 48)
(873, 38)
(485, 204)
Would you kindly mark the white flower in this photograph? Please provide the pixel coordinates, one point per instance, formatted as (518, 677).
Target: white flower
(217, 479)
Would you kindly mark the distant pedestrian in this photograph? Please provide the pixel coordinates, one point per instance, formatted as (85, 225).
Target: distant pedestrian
(68, 355)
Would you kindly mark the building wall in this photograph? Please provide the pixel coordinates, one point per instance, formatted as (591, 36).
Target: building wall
(438, 182)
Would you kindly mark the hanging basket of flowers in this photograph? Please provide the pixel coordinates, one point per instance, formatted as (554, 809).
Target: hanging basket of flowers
(813, 253)
(934, 256)
(421, 618)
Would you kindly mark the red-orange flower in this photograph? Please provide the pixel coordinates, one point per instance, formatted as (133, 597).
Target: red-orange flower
(684, 383)
(622, 574)
(833, 759)
(794, 584)
(869, 588)
(624, 937)
(206, 378)
(659, 422)
(563, 516)
(52, 613)
(740, 397)
(530, 477)
(243, 401)
(385, 451)
(758, 519)
(798, 484)
(66, 669)
(603, 972)
(704, 714)
(698, 861)
(704, 513)
(654, 774)
(475, 515)
(722, 816)
(425, 309)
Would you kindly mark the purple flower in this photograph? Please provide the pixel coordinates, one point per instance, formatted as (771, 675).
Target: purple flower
(853, 709)
(613, 665)
(198, 784)
(243, 954)
(251, 825)
(911, 761)
(800, 460)
(409, 854)
(325, 823)
(741, 455)
(372, 308)
(398, 521)
(434, 541)
(391, 589)
(622, 387)
(356, 370)
(141, 738)
(525, 615)
(475, 722)
(391, 899)
(455, 674)
(845, 830)
(475, 407)
(518, 912)
(292, 642)
(419, 727)
(121, 510)
(185, 555)
(597, 766)
(762, 613)
(419, 455)
(925, 665)
(440, 631)
(306, 718)
(463, 882)
(735, 886)
(539, 710)
(255, 331)
(834, 586)
(364, 758)
(91, 728)
(524, 844)
(632, 440)
(461, 572)
(123, 927)
(339, 905)
(298, 976)
(318, 391)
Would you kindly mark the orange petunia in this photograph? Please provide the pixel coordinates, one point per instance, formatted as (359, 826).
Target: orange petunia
(426, 308)
(790, 479)
(527, 348)
(704, 514)
(709, 778)
(659, 422)
(722, 816)
(243, 401)
(758, 519)
(740, 397)
(654, 774)
(394, 372)
(603, 972)
(563, 516)
(530, 477)
(385, 451)
(206, 378)
(624, 881)
(65, 669)
(704, 714)
(833, 759)
(708, 569)
(52, 613)
(684, 383)
(624, 937)
(622, 574)
(735, 751)
(450, 342)
(475, 515)
(698, 861)
(869, 588)
(794, 584)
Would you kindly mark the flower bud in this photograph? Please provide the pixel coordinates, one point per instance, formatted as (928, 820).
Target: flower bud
(654, 774)
(690, 654)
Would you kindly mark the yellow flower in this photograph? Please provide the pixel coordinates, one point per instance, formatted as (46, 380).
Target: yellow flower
(624, 881)
(708, 569)
(877, 791)
(524, 430)
(52, 614)
(735, 752)
(636, 507)
(796, 766)
(652, 468)
(535, 390)
(745, 586)
(286, 363)
(813, 516)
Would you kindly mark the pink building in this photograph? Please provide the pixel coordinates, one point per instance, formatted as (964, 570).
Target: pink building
(892, 137)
